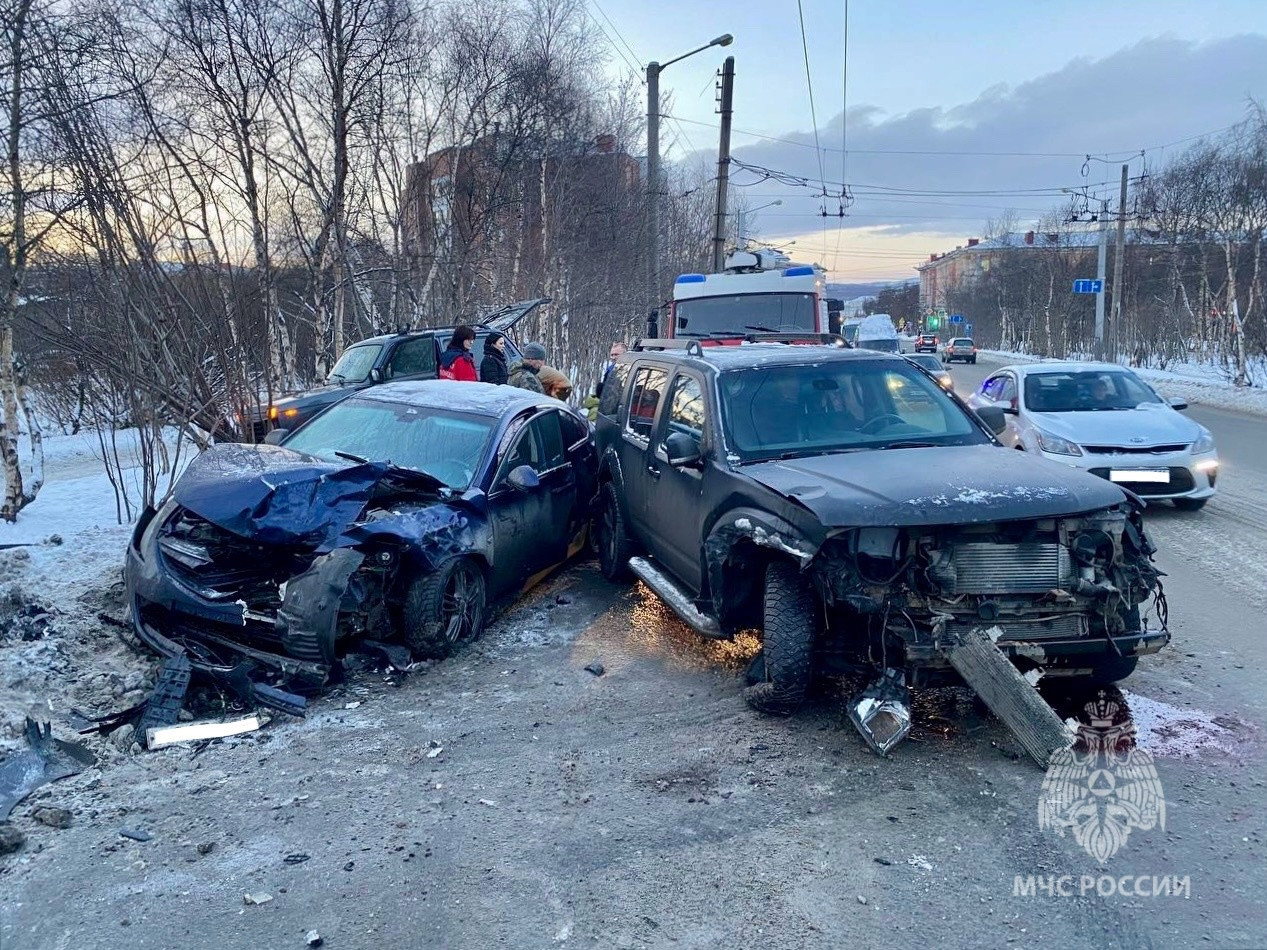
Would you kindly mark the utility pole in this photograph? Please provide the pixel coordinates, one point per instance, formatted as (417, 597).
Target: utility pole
(723, 164)
(1099, 273)
(653, 184)
(1114, 330)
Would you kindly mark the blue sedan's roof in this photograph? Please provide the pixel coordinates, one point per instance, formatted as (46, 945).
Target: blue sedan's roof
(482, 398)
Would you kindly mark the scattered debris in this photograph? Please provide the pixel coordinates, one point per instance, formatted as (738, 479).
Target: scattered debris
(47, 760)
(11, 839)
(596, 668)
(882, 711)
(885, 861)
(435, 749)
(313, 939)
(206, 847)
(52, 816)
(394, 654)
(861, 899)
(990, 673)
(261, 898)
(168, 696)
(490, 804)
(169, 735)
(352, 705)
(136, 834)
(296, 858)
(919, 861)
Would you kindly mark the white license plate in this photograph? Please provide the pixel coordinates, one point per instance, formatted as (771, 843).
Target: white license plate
(1160, 475)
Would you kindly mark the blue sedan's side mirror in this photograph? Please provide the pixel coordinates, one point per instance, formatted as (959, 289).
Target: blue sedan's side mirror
(523, 478)
(1177, 402)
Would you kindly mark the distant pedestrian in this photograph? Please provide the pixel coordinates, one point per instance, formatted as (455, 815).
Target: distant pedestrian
(493, 368)
(456, 361)
(523, 372)
(617, 350)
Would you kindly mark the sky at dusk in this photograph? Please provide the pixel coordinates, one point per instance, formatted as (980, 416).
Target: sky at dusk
(957, 112)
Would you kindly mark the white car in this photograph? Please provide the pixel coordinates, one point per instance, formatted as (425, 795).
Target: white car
(1103, 418)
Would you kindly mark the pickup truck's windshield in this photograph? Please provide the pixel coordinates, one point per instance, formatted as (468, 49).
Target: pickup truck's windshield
(355, 364)
(742, 314)
(787, 411)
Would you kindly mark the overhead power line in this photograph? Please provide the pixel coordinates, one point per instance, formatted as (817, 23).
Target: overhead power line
(809, 84)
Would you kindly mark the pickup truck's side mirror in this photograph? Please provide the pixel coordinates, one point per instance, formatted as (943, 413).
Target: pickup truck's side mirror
(681, 450)
(993, 417)
(1006, 407)
(523, 478)
(276, 436)
(376, 375)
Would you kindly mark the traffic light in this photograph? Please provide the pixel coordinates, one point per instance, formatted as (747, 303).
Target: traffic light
(933, 323)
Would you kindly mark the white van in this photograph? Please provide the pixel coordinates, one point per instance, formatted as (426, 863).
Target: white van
(877, 332)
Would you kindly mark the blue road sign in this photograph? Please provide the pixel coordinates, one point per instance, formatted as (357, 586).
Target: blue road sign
(956, 318)
(967, 329)
(1088, 286)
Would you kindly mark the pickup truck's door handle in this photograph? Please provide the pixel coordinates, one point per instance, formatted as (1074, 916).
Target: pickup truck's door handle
(653, 471)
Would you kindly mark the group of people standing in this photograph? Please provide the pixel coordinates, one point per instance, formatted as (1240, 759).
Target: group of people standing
(529, 372)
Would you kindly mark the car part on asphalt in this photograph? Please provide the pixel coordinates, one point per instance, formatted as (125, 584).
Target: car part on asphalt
(882, 712)
(984, 667)
(47, 760)
(168, 696)
(160, 736)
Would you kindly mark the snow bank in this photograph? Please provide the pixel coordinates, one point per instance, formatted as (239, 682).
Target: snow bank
(1200, 384)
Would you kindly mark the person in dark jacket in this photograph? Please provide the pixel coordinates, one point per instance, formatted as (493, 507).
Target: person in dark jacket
(456, 361)
(524, 373)
(493, 368)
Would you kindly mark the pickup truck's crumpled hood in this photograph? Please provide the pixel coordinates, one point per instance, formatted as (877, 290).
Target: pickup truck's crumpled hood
(934, 486)
(272, 495)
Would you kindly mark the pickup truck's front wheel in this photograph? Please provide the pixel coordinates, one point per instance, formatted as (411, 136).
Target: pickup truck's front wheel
(614, 546)
(790, 618)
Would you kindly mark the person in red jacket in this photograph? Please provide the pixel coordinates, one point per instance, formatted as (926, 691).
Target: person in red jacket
(456, 361)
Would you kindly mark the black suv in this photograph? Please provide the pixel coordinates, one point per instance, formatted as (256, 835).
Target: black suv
(862, 516)
(409, 355)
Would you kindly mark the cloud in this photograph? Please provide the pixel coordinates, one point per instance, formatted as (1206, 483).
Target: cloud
(1148, 95)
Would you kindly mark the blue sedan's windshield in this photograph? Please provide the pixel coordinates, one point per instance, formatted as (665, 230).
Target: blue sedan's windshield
(448, 445)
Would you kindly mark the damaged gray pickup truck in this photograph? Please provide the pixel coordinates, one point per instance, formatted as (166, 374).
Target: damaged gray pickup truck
(867, 522)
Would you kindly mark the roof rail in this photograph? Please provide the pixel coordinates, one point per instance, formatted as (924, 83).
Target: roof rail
(692, 347)
(824, 339)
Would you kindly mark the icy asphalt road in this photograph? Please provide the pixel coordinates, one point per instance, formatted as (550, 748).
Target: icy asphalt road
(648, 807)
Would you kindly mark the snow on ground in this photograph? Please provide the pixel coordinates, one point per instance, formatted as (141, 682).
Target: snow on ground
(60, 570)
(1198, 383)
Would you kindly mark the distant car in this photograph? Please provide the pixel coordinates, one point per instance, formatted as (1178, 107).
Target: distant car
(960, 348)
(877, 332)
(392, 357)
(1103, 418)
(935, 367)
(927, 343)
(405, 511)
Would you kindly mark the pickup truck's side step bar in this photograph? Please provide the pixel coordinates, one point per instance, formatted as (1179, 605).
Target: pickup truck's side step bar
(678, 600)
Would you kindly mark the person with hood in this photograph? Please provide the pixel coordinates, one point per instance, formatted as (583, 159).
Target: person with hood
(555, 383)
(493, 368)
(456, 361)
(524, 371)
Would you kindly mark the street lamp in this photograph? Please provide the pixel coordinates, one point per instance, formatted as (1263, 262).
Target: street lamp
(742, 214)
(653, 158)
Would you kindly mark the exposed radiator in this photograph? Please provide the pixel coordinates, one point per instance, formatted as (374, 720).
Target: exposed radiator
(980, 568)
(1066, 627)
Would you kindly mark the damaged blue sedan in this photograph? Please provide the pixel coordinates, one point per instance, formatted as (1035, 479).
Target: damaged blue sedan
(409, 511)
